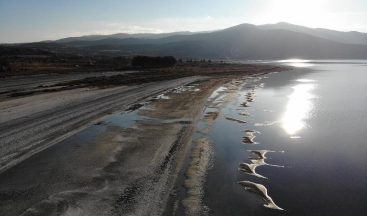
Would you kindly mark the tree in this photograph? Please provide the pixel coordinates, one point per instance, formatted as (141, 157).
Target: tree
(153, 62)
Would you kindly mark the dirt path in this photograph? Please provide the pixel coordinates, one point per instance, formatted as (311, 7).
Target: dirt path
(111, 168)
(21, 136)
(29, 82)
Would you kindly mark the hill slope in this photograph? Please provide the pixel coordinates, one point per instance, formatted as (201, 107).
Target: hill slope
(351, 37)
(245, 41)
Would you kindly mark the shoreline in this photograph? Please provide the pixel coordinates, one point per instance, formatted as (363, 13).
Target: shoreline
(173, 147)
(160, 149)
(34, 119)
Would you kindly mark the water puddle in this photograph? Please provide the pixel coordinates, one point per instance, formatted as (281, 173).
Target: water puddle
(87, 165)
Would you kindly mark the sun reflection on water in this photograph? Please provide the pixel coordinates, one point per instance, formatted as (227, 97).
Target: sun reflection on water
(296, 62)
(299, 107)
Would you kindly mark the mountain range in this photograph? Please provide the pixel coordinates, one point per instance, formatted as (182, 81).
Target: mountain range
(243, 42)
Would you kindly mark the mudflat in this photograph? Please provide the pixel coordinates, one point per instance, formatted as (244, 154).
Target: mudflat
(100, 149)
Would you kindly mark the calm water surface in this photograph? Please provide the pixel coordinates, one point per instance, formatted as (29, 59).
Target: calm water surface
(314, 118)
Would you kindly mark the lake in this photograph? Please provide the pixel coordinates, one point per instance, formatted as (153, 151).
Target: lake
(286, 143)
(304, 141)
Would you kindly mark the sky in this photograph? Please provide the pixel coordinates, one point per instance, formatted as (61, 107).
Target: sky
(36, 20)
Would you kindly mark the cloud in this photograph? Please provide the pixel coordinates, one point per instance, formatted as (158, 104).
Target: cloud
(116, 27)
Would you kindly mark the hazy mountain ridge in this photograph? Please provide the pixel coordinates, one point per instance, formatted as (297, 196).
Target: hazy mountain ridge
(245, 41)
(122, 36)
(351, 37)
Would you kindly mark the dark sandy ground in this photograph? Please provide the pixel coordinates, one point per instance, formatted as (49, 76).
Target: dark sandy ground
(55, 161)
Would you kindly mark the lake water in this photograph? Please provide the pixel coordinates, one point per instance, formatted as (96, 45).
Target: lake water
(313, 120)
(301, 135)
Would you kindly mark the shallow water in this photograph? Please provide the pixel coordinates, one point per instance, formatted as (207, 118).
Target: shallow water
(298, 136)
(313, 118)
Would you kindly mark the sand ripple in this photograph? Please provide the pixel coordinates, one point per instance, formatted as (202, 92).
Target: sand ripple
(250, 169)
(261, 154)
(245, 104)
(235, 120)
(249, 137)
(260, 190)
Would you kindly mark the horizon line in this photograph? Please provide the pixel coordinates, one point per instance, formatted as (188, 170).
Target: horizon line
(172, 32)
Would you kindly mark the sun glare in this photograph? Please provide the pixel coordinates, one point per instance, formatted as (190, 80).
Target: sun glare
(299, 107)
(296, 62)
(301, 12)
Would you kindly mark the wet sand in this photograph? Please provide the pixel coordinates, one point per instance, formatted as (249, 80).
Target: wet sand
(204, 195)
(194, 149)
(111, 168)
(190, 193)
(31, 124)
(61, 154)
